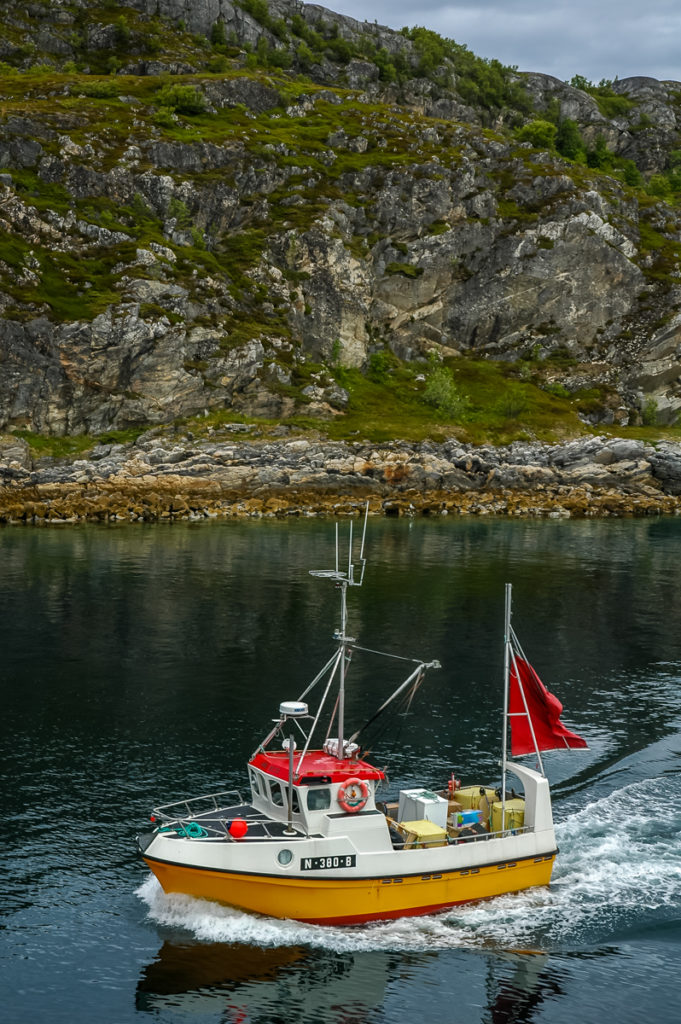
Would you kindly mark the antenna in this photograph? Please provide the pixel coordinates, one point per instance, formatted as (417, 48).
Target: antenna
(344, 580)
(348, 577)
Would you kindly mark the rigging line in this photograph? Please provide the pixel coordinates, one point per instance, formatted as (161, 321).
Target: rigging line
(527, 710)
(410, 679)
(385, 654)
(412, 693)
(335, 662)
(332, 720)
(518, 645)
(386, 728)
(401, 711)
(320, 674)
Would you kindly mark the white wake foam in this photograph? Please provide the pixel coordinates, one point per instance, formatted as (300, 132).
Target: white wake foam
(619, 864)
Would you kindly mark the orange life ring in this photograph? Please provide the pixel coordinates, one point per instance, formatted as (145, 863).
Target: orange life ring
(353, 795)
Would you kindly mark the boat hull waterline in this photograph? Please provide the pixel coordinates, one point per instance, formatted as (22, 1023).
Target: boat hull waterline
(333, 901)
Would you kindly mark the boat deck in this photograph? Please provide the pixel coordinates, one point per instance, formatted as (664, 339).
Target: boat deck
(213, 823)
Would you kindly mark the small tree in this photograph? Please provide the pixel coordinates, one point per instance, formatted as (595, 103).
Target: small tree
(659, 185)
(631, 173)
(442, 392)
(600, 156)
(568, 139)
(218, 36)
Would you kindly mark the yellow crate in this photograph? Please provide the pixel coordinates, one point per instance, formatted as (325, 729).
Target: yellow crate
(421, 834)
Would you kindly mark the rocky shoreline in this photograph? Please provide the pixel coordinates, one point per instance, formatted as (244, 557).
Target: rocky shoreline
(164, 478)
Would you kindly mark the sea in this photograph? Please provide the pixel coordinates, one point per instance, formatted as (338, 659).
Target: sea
(141, 664)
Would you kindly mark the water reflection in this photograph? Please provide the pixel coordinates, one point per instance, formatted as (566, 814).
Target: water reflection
(517, 985)
(241, 984)
(264, 986)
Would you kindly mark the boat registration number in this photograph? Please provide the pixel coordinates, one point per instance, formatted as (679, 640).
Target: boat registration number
(319, 863)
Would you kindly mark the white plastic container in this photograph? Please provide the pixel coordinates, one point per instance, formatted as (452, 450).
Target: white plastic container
(420, 805)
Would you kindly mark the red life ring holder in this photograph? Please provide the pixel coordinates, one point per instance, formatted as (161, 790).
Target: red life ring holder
(353, 795)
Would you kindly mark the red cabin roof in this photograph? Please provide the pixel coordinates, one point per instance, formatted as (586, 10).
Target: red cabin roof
(316, 765)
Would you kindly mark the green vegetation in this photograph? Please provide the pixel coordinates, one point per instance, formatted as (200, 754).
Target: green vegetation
(482, 83)
(406, 269)
(70, 447)
(475, 400)
(442, 392)
(302, 173)
(185, 99)
(610, 103)
(541, 134)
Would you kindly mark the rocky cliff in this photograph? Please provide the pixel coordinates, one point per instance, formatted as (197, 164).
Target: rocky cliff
(254, 197)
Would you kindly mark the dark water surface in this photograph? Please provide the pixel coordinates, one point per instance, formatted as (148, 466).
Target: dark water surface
(143, 664)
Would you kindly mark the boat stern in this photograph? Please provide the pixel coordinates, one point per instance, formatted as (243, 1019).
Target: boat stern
(538, 812)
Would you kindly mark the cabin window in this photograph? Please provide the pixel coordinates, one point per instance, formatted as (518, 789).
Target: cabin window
(255, 783)
(295, 803)
(276, 793)
(318, 799)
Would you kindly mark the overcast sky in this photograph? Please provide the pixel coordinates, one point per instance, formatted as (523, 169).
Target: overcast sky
(595, 38)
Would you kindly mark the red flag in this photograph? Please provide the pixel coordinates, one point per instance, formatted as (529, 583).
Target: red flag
(544, 710)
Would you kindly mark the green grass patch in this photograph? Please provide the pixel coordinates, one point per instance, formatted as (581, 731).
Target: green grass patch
(42, 445)
(43, 195)
(405, 269)
(389, 402)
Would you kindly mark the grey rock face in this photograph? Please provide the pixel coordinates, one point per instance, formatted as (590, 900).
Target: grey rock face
(265, 245)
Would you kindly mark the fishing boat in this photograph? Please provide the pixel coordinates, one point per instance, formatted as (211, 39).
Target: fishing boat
(313, 842)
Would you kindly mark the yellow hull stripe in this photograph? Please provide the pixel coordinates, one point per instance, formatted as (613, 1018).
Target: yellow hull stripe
(353, 900)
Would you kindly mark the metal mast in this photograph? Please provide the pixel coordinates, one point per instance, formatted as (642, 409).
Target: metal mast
(507, 671)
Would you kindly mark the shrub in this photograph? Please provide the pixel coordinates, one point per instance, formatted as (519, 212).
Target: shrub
(121, 34)
(557, 389)
(513, 402)
(649, 413)
(185, 99)
(442, 392)
(380, 365)
(99, 90)
(659, 185)
(541, 134)
(631, 174)
(600, 156)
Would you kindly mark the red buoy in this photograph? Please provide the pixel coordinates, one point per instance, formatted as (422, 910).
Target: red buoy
(238, 828)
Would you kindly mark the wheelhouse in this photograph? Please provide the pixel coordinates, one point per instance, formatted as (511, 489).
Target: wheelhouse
(317, 787)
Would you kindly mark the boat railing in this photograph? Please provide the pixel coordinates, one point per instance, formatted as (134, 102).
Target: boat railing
(196, 805)
(521, 831)
(208, 829)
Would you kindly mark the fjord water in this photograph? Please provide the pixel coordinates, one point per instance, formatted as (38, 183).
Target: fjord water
(142, 664)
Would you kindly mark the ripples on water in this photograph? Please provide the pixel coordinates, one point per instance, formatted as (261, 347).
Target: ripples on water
(128, 661)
